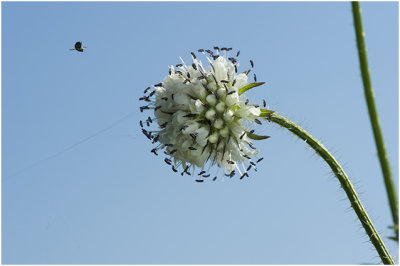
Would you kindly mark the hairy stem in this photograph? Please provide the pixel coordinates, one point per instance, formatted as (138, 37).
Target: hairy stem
(344, 181)
(373, 115)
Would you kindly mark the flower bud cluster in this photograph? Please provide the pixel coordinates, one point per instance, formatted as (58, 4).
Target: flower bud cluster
(201, 116)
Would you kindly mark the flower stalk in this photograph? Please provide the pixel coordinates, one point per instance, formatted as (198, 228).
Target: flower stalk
(373, 115)
(343, 179)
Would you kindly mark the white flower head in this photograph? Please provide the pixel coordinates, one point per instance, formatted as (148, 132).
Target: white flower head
(203, 118)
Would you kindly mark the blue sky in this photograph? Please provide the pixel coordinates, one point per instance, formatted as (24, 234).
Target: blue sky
(109, 200)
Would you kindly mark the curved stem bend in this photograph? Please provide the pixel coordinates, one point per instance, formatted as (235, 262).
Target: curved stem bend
(344, 181)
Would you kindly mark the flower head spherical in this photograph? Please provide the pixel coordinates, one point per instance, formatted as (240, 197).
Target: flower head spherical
(202, 116)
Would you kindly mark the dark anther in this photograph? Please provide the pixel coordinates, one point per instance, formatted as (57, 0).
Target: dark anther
(224, 81)
(230, 162)
(163, 125)
(146, 90)
(173, 169)
(168, 161)
(264, 103)
(199, 180)
(241, 136)
(257, 121)
(206, 175)
(164, 98)
(190, 115)
(245, 174)
(255, 78)
(235, 68)
(200, 50)
(232, 173)
(158, 85)
(173, 151)
(141, 123)
(168, 113)
(194, 66)
(233, 60)
(215, 178)
(251, 63)
(248, 168)
(192, 148)
(259, 160)
(149, 118)
(194, 56)
(202, 172)
(156, 138)
(154, 151)
(246, 102)
(179, 65)
(231, 92)
(216, 48)
(251, 146)
(238, 53)
(157, 107)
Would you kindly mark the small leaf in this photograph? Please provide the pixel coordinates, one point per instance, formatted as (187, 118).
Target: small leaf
(249, 86)
(265, 112)
(256, 137)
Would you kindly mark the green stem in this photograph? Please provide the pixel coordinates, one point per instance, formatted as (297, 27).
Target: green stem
(373, 115)
(344, 181)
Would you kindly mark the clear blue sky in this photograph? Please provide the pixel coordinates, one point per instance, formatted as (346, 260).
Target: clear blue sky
(109, 200)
